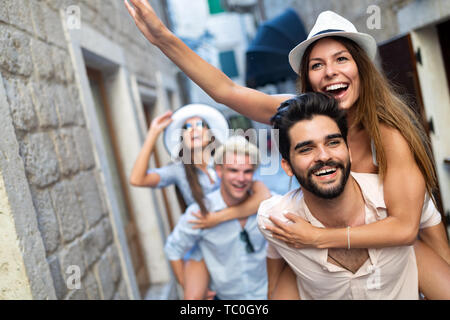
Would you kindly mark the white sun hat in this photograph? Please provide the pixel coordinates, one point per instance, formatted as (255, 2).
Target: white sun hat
(213, 117)
(330, 24)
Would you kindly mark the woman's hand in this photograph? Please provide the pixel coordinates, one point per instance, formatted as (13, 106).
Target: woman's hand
(146, 20)
(160, 123)
(299, 234)
(204, 222)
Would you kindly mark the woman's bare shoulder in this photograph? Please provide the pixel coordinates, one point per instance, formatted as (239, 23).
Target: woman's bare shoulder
(395, 145)
(392, 137)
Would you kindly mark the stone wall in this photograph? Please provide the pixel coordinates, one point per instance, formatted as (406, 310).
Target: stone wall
(54, 142)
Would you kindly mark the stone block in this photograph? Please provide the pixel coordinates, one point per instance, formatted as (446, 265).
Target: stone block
(3, 14)
(66, 150)
(91, 246)
(88, 15)
(59, 59)
(58, 280)
(54, 27)
(102, 191)
(72, 255)
(103, 271)
(47, 221)
(41, 162)
(15, 53)
(114, 260)
(107, 232)
(43, 104)
(91, 286)
(111, 12)
(76, 103)
(19, 14)
(89, 196)
(41, 54)
(68, 210)
(63, 103)
(60, 4)
(77, 294)
(37, 8)
(96, 240)
(84, 148)
(21, 105)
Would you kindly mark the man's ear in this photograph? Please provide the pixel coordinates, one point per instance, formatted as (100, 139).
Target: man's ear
(286, 167)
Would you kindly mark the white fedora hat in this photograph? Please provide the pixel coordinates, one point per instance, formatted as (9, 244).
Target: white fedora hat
(214, 118)
(330, 24)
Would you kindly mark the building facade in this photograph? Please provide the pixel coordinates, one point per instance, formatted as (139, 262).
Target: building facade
(79, 85)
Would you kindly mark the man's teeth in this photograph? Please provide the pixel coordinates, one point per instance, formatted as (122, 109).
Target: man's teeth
(325, 171)
(336, 87)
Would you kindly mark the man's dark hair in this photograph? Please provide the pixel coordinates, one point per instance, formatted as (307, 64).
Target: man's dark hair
(305, 107)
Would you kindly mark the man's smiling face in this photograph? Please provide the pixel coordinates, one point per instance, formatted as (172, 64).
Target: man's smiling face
(319, 157)
(236, 175)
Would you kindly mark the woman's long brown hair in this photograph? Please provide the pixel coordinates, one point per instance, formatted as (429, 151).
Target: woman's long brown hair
(196, 188)
(193, 181)
(379, 103)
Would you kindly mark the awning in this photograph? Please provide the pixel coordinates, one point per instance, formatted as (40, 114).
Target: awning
(267, 55)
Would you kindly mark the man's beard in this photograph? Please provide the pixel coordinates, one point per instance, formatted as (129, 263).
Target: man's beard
(307, 182)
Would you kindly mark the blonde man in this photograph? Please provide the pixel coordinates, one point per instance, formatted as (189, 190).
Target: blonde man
(234, 251)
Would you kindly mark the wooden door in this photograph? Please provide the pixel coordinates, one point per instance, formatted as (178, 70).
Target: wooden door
(443, 30)
(119, 179)
(444, 40)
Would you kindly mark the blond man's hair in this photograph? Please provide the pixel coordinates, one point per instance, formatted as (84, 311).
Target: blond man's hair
(237, 145)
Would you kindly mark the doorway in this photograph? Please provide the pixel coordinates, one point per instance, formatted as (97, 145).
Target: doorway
(96, 83)
(149, 108)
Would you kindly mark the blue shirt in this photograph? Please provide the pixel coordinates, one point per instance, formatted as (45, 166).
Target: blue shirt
(274, 177)
(235, 273)
(174, 173)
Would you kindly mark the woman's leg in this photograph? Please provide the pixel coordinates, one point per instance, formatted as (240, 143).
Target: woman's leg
(434, 273)
(286, 288)
(196, 280)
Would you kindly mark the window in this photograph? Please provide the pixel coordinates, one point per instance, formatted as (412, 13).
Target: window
(215, 6)
(240, 122)
(228, 63)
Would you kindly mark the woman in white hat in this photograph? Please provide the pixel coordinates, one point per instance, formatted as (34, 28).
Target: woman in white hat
(191, 134)
(337, 59)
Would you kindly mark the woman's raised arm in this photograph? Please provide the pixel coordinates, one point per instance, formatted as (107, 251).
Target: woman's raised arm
(251, 103)
(139, 176)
